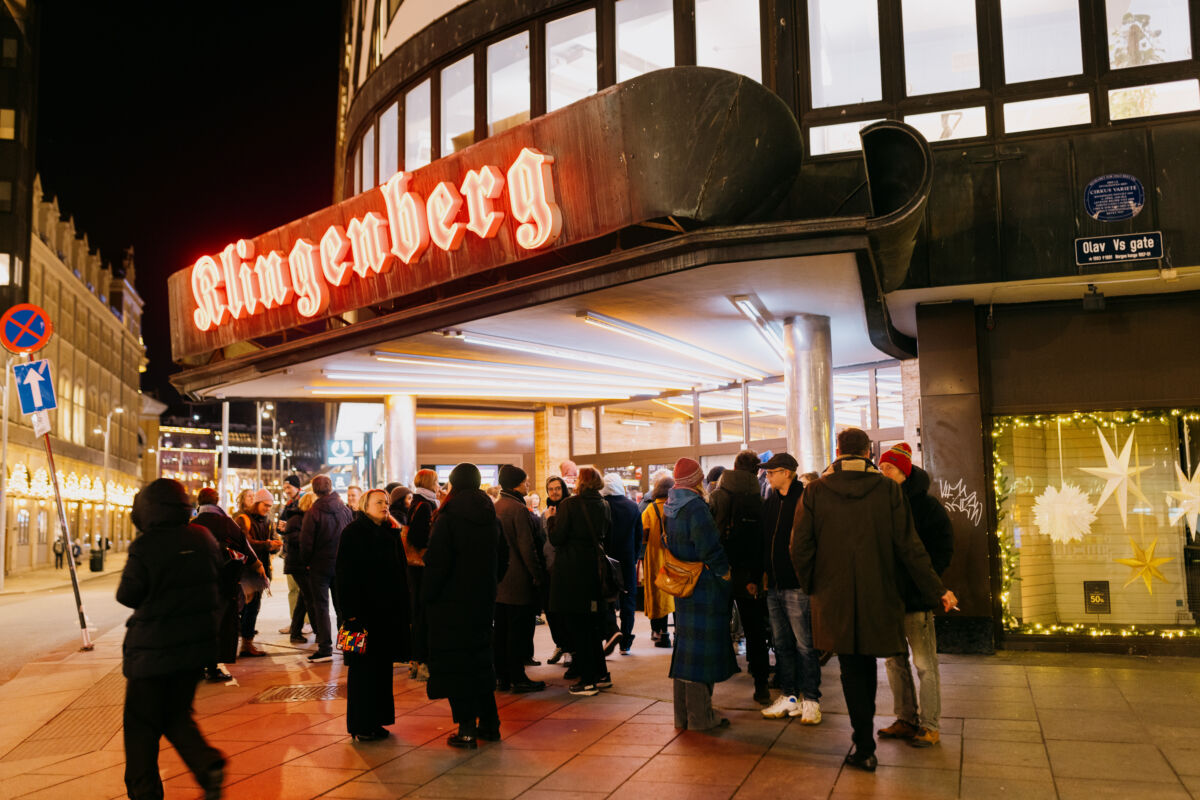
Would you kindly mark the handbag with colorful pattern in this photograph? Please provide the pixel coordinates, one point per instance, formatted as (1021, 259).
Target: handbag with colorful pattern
(349, 641)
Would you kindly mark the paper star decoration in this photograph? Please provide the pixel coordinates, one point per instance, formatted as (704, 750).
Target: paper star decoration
(1117, 472)
(1187, 498)
(1064, 514)
(1144, 565)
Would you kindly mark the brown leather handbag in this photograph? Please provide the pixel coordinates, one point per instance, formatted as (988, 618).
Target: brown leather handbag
(676, 577)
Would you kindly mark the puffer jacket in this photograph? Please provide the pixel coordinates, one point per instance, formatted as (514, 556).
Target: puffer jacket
(320, 533)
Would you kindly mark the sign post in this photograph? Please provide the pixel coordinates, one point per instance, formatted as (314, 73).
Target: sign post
(24, 329)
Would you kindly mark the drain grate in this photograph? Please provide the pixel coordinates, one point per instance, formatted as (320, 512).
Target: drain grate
(298, 693)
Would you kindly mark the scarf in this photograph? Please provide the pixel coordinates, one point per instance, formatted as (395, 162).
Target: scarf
(428, 494)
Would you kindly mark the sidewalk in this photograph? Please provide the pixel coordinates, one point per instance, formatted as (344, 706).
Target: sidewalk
(42, 578)
(1015, 725)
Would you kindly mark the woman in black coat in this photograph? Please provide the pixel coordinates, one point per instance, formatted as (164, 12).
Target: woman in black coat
(581, 524)
(466, 557)
(373, 593)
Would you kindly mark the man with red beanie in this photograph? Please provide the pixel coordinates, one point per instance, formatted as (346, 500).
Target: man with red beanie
(918, 722)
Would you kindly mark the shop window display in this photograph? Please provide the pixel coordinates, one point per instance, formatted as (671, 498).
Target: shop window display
(1097, 516)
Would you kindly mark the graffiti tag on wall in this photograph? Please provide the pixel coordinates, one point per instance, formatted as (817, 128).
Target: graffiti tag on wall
(958, 499)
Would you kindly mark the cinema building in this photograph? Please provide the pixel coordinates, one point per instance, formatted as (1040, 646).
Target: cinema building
(624, 231)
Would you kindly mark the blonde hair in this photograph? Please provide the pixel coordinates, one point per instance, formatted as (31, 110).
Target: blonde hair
(306, 501)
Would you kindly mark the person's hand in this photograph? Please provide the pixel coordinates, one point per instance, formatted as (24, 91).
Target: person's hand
(550, 511)
(752, 588)
(949, 601)
(275, 545)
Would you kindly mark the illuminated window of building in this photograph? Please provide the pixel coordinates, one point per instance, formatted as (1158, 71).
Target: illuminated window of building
(42, 527)
(958, 123)
(728, 36)
(418, 126)
(1047, 112)
(570, 59)
(81, 414)
(843, 39)
(65, 412)
(5, 268)
(1142, 32)
(1041, 39)
(368, 159)
(941, 48)
(1159, 98)
(23, 526)
(458, 106)
(508, 83)
(356, 170)
(8, 123)
(645, 37)
(389, 142)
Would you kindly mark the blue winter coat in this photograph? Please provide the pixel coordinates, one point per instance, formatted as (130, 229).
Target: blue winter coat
(703, 647)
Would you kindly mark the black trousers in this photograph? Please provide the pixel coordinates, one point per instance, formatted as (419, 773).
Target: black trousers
(58, 560)
(475, 712)
(420, 628)
(587, 657)
(659, 625)
(858, 687)
(512, 641)
(370, 703)
(753, 611)
(250, 616)
(154, 708)
(227, 629)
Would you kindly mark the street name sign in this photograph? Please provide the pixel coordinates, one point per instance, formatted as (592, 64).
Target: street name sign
(1122, 247)
(25, 328)
(35, 389)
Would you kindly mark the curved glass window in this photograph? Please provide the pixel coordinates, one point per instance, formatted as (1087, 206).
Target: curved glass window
(508, 83)
(570, 59)
(458, 106)
(1144, 32)
(843, 38)
(418, 126)
(389, 142)
(368, 159)
(1041, 39)
(645, 37)
(941, 47)
(728, 36)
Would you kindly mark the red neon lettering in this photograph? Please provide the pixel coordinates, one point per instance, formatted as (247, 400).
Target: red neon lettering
(311, 289)
(480, 189)
(210, 300)
(531, 194)
(251, 290)
(274, 280)
(233, 290)
(443, 205)
(369, 244)
(406, 218)
(334, 249)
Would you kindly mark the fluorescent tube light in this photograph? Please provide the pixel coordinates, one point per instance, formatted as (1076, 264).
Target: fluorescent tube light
(752, 310)
(645, 335)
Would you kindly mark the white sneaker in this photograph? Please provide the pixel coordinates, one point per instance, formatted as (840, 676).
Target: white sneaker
(783, 706)
(809, 712)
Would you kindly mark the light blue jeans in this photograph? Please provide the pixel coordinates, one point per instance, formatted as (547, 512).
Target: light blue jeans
(797, 664)
(922, 639)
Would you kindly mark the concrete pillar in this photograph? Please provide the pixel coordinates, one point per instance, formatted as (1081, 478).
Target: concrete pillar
(400, 438)
(550, 444)
(808, 385)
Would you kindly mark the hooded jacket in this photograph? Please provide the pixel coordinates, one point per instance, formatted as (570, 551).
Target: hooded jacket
(737, 499)
(935, 531)
(778, 516)
(320, 533)
(853, 535)
(170, 582)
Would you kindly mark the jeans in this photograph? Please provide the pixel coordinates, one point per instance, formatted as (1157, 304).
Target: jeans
(511, 641)
(318, 590)
(250, 616)
(919, 630)
(693, 706)
(154, 708)
(797, 664)
(858, 686)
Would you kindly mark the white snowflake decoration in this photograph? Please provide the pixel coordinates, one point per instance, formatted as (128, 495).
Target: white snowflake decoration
(1064, 514)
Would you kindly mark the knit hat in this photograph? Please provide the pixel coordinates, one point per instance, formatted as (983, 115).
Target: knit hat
(511, 477)
(688, 474)
(293, 480)
(714, 474)
(465, 476)
(264, 496)
(900, 456)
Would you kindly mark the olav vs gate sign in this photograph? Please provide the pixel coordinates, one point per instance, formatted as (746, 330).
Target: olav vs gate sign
(241, 282)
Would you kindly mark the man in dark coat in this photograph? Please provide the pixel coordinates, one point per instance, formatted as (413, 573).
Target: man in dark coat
(237, 556)
(170, 582)
(736, 507)
(624, 538)
(918, 723)
(519, 593)
(467, 555)
(853, 533)
(319, 536)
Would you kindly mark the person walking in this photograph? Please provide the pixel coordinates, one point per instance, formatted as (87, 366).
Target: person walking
(797, 663)
(257, 528)
(373, 592)
(518, 595)
(736, 506)
(238, 557)
(703, 650)
(622, 544)
(918, 722)
(580, 527)
(295, 570)
(467, 555)
(657, 604)
(556, 491)
(170, 582)
(852, 536)
(320, 532)
(60, 550)
(421, 509)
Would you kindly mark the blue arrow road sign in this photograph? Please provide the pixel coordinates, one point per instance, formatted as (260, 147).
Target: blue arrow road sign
(34, 386)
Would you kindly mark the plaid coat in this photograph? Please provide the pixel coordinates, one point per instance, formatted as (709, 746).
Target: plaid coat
(703, 647)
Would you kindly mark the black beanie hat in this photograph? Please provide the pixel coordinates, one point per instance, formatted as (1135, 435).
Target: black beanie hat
(465, 476)
(511, 477)
(293, 480)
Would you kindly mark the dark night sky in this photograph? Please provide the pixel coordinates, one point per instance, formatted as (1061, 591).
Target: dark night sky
(179, 127)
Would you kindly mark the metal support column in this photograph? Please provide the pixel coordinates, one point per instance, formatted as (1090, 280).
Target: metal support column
(400, 438)
(808, 383)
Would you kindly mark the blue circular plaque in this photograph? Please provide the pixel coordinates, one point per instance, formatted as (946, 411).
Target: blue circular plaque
(1112, 198)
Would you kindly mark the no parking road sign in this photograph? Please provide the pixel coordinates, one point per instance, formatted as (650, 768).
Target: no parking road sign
(34, 387)
(25, 328)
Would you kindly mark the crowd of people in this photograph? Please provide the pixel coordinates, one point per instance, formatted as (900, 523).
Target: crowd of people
(450, 582)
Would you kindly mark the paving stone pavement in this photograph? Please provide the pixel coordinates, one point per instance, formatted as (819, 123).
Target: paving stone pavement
(1015, 725)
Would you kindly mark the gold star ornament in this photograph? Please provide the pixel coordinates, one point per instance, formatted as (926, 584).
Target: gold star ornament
(1144, 565)
(1117, 475)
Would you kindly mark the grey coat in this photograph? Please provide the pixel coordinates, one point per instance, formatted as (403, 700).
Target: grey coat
(522, 582)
